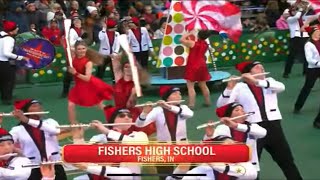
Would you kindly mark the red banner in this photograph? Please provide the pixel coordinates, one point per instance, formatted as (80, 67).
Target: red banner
(160, 153)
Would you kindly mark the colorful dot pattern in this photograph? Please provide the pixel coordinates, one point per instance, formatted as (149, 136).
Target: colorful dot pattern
(172, 52)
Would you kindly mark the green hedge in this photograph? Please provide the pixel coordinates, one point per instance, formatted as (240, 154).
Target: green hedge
(267, 46)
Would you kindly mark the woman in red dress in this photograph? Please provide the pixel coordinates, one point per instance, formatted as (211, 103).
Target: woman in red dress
(124, 91)
(196, 68)
(88, 90)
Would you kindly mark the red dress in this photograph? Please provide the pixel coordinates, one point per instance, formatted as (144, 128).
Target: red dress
(122, 92)
(196, 68)
(89, 93)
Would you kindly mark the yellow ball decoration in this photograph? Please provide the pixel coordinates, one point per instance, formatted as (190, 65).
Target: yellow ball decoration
(227, 58)
(247, 57)
(233, 46)
(216, 44)
(278, 50)
(265, 43)
(244, 50)
(216, 54)
(41, 72)
(58, 55)
(254, 47)
(156, 48)
(276, 41)
(258, 52)
(225, 47)
(243, 44)
(59, 75)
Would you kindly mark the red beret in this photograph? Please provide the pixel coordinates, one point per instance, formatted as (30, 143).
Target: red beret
(24, 104)
(245, 67)
(5, 136)
(226, 110)
(111, 113)
(111, 23)
(135, 21)
(166, 91)
(9, 26)
(311, 29)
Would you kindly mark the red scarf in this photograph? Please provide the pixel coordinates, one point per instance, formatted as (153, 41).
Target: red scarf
(258, 94)
(221, 176)
(78, 30)
(111, 35)
(5, 163)
(137, 34)
(171, 120)
(38, 138)
(238, 135)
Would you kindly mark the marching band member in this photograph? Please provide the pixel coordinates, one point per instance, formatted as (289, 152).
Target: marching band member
(239, 130)
(121, 133)
(11, 166)
(312, 51)
(7, 69)
(316, 122)
(297, 40)
(109, 45)
(140, 42)
(170, 119)
(259, 95)
(88, 90)
(37, 137)
(196, 68)
(220, 171)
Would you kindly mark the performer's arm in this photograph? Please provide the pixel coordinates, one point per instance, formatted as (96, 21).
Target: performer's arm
(148, 116)
(253, 129)
(149, 40)
(310, 50)
(102, 34)
(100, 138)
(235, 93)
(225, 95)
(15, 134)
(88, 74)
(271, 84)
(221, 130)
(186, 41)
(8, 48)
(291, 19)
(116, 66)
(183, 111)
(241, 170)
(16, 171)
(49, 126)
(73, 37)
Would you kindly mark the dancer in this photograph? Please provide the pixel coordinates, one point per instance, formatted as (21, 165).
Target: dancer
(88, 90)
(312, 52)
(259, 95)
(37, 137)
(196, 68)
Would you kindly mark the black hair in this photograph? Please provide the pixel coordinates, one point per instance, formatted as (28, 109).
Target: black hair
(204, 34)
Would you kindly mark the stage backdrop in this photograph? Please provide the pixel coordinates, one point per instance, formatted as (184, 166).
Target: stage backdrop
(267, 46)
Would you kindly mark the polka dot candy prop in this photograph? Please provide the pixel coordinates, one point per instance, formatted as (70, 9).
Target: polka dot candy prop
(172, 52)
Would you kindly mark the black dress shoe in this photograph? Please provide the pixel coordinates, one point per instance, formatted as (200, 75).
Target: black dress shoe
(285, 76)
(316, 125)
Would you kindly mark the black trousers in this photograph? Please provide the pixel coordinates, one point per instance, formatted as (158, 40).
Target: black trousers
(312, 75)
(142, 57)
(67, 79)
(101, 69)
(7, 80)
(296, 51)
(59, 171)
(317, 119)
(276, 144)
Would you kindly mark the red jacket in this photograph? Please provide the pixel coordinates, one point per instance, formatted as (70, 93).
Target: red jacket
(53, 35)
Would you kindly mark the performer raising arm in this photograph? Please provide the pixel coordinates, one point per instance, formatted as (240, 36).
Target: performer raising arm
(196, 68)
(88, 90)
(259, 95)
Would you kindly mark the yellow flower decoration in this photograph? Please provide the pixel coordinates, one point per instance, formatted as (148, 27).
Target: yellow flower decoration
(225, 47)
(276, 41)
(243, 44)
(59, 55)
(227, 58)
(233, 46)
(216, 54)
(41, 72)
(59, 75)
(265, 43)
(216, 44)
(244, 50)
(247, 57)
(278, 50)
(254, 47)
(258, 52)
